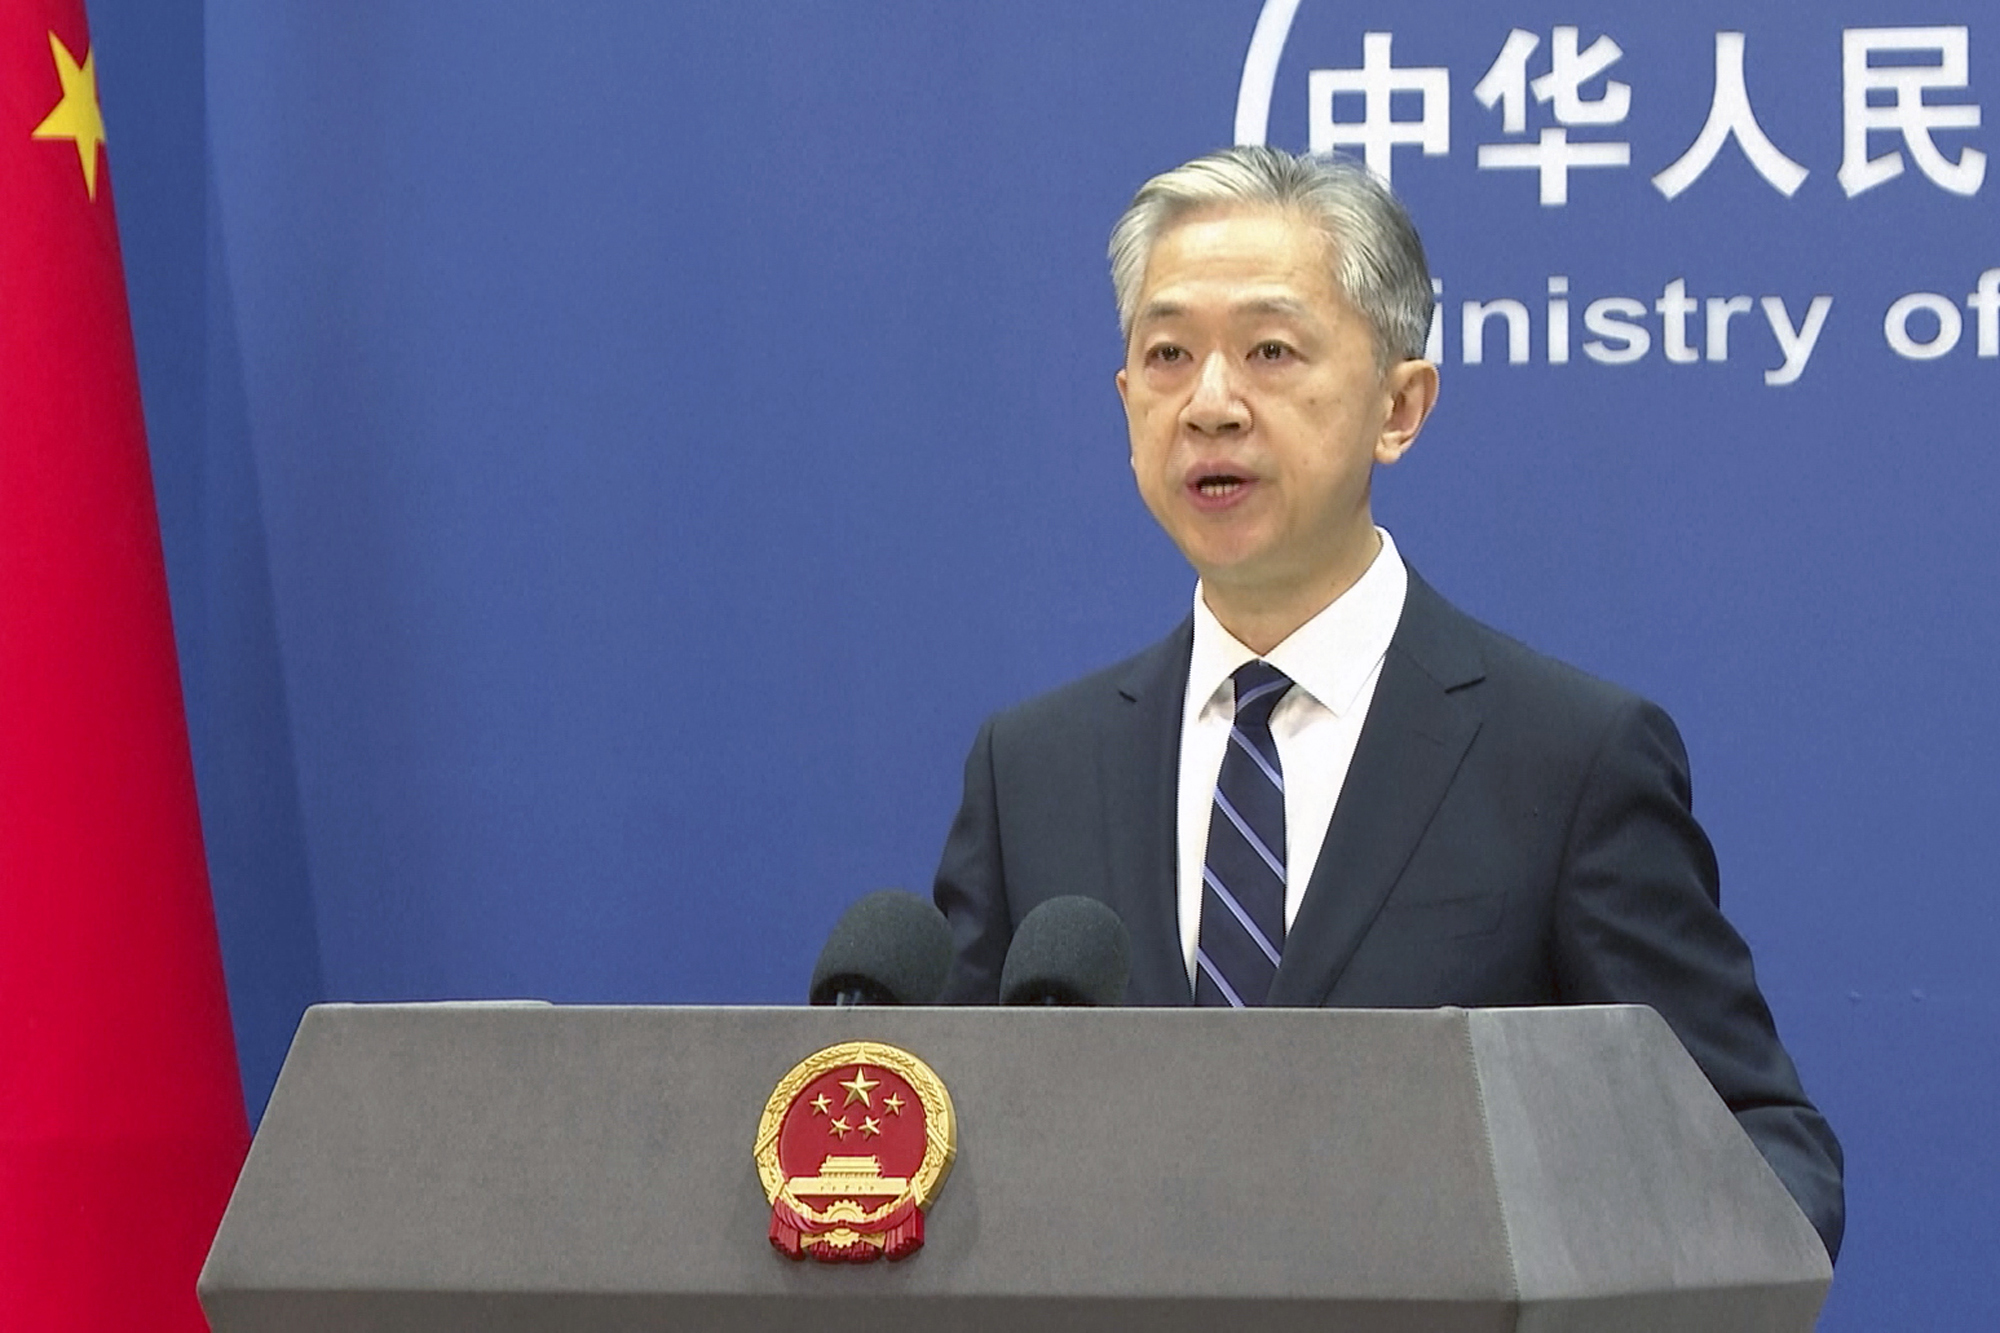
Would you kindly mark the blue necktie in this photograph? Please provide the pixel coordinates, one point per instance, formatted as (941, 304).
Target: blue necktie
(1243, 880)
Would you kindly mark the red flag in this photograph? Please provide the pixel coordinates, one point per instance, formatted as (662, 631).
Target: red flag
(121, 1114)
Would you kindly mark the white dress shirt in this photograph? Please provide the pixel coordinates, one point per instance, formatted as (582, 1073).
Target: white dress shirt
(1334, 660)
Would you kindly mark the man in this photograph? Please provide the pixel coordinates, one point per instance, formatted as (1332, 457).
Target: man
(1328, 786)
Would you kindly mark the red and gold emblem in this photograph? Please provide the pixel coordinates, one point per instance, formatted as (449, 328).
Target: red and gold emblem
(853, 1146)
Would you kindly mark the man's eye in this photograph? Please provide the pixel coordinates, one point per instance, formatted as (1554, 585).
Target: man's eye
(1270, 351)
(1168, 354)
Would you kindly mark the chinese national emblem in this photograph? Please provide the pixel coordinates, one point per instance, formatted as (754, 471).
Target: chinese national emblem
(853, 1146)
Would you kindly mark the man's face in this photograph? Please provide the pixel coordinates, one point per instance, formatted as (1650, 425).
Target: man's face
(1255, 407)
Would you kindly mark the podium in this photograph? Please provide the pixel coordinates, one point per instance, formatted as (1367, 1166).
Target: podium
(498, 1168)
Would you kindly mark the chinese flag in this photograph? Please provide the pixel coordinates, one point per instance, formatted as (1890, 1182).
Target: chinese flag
(121, 1114)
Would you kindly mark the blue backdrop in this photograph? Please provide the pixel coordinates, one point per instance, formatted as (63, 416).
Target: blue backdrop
(612, 454)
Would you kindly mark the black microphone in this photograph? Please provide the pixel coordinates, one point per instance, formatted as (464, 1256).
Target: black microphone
(1070, 950)
(892, 947)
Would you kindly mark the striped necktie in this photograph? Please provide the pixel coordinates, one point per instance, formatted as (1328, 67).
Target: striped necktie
(1243, 880)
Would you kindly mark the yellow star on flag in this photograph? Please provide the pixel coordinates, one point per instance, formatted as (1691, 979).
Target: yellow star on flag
(859, 1087)
(77, 117)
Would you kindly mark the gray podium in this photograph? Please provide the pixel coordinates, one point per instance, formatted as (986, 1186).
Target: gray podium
(493, 1168)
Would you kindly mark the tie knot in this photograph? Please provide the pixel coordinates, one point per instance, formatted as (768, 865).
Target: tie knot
(1259, 687)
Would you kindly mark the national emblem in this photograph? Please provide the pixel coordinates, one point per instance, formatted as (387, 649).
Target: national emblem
(846, 1186)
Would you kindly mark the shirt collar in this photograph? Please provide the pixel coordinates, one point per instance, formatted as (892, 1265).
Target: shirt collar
(1330, 657)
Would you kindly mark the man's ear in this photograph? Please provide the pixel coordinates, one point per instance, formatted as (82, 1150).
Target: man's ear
(1412, 387)
(1126, 403)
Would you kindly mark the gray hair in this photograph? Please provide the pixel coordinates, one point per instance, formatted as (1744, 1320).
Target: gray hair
(1378, 259)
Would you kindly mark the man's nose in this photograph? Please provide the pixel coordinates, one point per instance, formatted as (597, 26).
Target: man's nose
(1216, 406)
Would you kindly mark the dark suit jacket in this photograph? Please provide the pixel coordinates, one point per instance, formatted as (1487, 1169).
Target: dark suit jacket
(1511, 832)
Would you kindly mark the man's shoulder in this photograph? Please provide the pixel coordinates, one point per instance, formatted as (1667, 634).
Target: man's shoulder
(1456, 649)
(1156, 674)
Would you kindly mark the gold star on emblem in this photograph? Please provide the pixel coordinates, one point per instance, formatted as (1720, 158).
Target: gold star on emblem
(821, 1104)
(870, 1125)
(77, 117)
(893, 1103)
(840, 1128)
(859, 1087)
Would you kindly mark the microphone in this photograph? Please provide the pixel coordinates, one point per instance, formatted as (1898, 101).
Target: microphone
(1070, 950)
(891, 947)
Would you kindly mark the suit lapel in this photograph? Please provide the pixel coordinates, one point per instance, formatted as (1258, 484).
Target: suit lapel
(1419, 725)
(1138, 766)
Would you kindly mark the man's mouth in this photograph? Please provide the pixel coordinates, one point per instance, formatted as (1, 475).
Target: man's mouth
(1216, 485)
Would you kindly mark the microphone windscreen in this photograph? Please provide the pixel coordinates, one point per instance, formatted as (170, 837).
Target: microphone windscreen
(1070, 950)
(891, 947)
